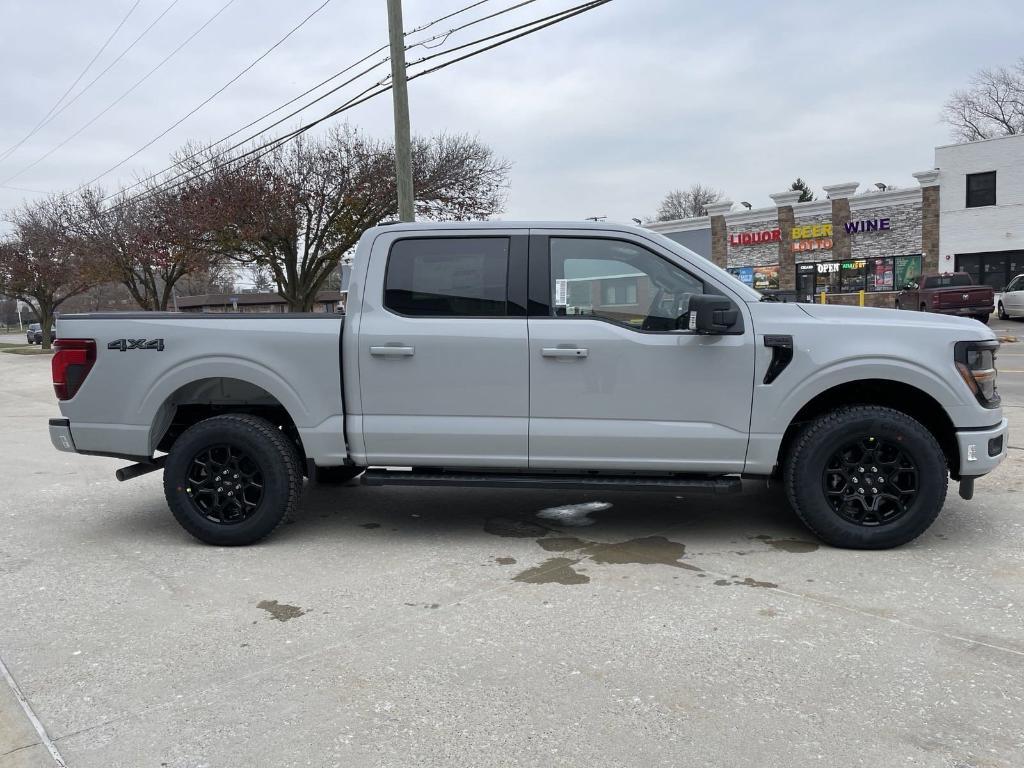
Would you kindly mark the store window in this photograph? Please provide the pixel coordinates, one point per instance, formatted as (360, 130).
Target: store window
(981, 189)
(618, 282)
(764, 278)
(885, 273)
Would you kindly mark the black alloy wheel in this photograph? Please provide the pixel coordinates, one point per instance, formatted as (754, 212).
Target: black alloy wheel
(230, 480)
(225, 484)
(866, 477)
(871, 482)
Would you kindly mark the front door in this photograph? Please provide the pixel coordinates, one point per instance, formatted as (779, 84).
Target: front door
(614, 384)
(443, 357)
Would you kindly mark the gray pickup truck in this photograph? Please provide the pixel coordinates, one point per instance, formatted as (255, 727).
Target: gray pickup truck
(539, 355)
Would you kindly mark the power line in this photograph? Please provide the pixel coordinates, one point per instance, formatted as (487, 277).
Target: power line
(213, 95)
(428, 25)
(46, 121)
(364, 96)
(123, 95)
(320, 98)
(71, 87)
(443, 36)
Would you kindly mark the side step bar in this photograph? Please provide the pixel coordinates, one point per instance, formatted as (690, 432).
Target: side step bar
(452, 478)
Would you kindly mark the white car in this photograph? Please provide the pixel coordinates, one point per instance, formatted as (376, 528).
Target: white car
(1011, 302)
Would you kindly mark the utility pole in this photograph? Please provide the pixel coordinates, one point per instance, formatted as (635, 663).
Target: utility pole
(400, 95)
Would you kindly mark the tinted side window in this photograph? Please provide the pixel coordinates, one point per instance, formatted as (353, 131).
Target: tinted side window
(619, 282)
(448, 277)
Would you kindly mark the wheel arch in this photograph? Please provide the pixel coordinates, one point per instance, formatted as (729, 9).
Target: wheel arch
(200, 399)
(898, 395)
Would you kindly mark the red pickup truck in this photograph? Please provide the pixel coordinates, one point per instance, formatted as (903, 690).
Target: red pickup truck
(952, 293)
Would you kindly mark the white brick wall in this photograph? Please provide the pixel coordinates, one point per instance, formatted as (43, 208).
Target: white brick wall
(992, 228)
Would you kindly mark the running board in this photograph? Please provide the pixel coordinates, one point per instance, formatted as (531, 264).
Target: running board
(692, 483)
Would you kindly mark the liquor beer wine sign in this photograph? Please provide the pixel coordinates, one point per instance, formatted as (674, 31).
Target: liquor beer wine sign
(809, 237)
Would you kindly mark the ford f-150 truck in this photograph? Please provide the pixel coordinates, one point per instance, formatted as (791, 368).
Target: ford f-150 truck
(952, 293)
(539, 355)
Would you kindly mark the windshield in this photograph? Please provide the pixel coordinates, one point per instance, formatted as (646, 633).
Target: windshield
(706, 265)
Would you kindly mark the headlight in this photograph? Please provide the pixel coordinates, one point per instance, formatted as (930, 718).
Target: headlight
(976, 362)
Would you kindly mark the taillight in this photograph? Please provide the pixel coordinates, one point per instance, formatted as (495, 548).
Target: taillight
(72, 362)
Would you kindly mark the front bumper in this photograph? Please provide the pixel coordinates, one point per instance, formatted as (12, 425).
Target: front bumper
(977, 446)
(60, 435)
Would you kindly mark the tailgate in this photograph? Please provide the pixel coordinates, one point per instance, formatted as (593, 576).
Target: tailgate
(964, 296)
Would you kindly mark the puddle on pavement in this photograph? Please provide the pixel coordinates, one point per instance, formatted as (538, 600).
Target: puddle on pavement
(574, 515)
(554, 570)
(795, 546)
(650, 550)
(280, 611)
(505, 560)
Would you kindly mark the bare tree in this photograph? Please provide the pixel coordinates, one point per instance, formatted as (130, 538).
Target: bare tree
(42, 264)
(139, 241)
(992, 106)
(687, 203)
(297, 211)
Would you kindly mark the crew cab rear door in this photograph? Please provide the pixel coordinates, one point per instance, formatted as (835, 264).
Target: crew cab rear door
(443, 356)
(613, 384)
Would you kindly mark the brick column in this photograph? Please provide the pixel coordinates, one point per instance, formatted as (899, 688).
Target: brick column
(719, 232)
(840, 195)
(929, 181)
(787, 265)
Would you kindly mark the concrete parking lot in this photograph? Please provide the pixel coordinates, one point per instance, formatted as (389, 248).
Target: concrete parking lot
(403, 627)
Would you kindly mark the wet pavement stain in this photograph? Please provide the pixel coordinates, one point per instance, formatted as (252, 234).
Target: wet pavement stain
(574, 515)
(281, 611)
(795, 546)
(369, 525)
(554, 570)
(747, 582)
(649, 550)
(518, 529)
(505, 560)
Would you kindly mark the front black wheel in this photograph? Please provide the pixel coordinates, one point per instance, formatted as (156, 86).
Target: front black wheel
(866, 477)
(1002, 312)
(231, 480)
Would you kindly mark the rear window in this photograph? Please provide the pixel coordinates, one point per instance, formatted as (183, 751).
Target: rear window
(448, 277)
(948, 281)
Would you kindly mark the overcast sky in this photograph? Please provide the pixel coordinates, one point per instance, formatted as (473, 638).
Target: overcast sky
(600, 115)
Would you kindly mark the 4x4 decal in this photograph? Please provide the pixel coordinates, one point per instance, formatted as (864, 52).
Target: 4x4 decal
(125, 344)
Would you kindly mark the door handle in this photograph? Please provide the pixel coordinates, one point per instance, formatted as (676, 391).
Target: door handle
(392, 351)
(564, 352)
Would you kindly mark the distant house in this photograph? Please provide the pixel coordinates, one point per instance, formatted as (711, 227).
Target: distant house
(326, 301)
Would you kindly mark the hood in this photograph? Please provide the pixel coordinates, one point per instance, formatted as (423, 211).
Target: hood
(875, 316)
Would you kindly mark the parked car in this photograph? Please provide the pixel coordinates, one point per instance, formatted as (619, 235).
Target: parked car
(1011, 301)
(951, 293)
(495, 354)
(34, 333)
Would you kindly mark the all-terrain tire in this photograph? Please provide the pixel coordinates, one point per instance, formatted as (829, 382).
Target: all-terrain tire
(337, 475)
(265, 446)
(805, 466)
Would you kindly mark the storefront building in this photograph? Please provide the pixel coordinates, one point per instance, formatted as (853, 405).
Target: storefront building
(966, 214)
(873, 242)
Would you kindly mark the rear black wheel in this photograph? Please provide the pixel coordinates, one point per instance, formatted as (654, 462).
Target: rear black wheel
(982, 319)
(866, 477)
(231, 480)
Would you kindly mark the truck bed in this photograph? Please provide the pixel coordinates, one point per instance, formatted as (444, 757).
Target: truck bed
(149, 365)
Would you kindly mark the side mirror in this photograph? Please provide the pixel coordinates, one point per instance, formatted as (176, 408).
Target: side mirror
(713, 315)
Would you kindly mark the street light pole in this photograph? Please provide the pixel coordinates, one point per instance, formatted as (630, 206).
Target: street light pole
(400, 96)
